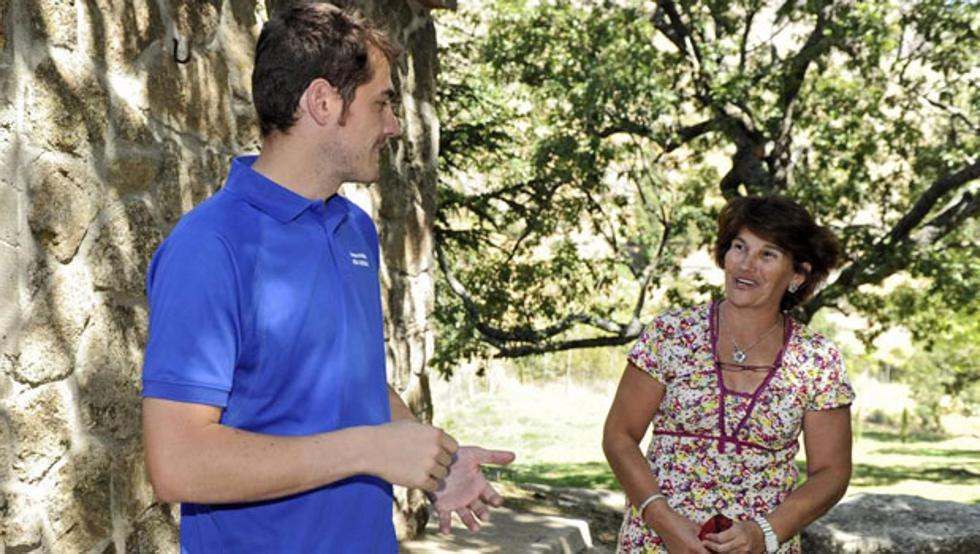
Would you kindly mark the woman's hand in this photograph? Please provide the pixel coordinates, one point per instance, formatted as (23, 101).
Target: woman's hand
(744, 537)
(680, 535)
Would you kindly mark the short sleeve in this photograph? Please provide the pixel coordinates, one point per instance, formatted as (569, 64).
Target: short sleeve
(193, 292)
(830, 387)
(645, 353)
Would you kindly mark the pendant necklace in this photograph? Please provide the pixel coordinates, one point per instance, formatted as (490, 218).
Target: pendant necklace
(740, 355)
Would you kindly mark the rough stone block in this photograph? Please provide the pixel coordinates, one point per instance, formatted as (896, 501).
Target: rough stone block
(407, 242)
(108, 371)
(198, 21)
(155, 531)
(11, 202)
(38, 419)
(53, 21)
(129, 124)
(133, 173)
(67, 107)
(6, 449)
(78, 505)
(59, 309)
(121, 31)
(125, 239)
(10, 278)
(187, 178)
(21, 530)
(193, 96)
(44, 355)
(63, 203)
(248, 13)
(3, 28)
(131, 490)
(248, 137)
(894, 524)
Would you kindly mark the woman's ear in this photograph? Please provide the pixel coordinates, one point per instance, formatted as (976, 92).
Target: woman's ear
(803, 273)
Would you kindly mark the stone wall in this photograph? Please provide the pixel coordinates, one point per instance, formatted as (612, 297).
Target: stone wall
(105, 140)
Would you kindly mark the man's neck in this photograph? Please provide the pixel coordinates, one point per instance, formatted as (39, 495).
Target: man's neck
(293, 167)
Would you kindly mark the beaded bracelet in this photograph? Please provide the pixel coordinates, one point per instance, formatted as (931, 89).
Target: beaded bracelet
(649, 500)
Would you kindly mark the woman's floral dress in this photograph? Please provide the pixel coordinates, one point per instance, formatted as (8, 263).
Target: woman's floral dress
(737, 461)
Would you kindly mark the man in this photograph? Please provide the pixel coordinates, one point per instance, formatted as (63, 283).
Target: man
(266, 412)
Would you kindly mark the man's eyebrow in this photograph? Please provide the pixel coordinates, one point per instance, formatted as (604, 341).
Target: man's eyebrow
(389, 94)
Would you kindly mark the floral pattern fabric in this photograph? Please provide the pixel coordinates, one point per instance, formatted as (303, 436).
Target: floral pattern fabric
(736, 461)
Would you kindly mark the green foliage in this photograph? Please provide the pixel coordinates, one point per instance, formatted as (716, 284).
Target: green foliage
(587, 147)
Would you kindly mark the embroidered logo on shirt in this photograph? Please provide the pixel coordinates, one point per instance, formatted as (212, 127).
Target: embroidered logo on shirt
(359, 258)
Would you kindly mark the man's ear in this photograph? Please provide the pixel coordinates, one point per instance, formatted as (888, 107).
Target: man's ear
(321, 102)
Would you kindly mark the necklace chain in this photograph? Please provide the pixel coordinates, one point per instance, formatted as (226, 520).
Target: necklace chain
(740, 355)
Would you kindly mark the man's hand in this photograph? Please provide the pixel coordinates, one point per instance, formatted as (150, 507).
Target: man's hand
(466, 490)
(413, 454)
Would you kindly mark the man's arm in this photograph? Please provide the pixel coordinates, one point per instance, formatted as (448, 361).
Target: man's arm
(191, 457)
(399, 410)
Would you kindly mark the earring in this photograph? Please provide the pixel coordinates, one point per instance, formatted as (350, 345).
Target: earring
(793, 287)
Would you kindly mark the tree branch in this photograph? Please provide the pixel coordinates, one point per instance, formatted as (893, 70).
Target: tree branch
(678, 33)
(817, 44)
(928, 200)
(499, 337)
(743, 44)
(892, 253)
(592, 342)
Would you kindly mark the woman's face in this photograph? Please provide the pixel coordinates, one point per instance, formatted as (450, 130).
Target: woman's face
(757, 272)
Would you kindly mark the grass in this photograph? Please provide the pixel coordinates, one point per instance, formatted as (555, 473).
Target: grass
(556, 429)
(586, 475)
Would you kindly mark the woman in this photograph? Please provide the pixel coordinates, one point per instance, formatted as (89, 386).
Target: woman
(729, 386)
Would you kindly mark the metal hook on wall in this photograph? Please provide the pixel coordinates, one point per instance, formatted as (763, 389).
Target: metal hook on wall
(176, 57)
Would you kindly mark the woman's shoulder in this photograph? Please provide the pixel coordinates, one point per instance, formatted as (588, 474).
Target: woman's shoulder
(682, 317)
(810, 344)
(678, 322)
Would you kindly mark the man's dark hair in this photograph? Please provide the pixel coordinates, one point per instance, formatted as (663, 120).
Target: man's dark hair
(788, 225)
(304, 41)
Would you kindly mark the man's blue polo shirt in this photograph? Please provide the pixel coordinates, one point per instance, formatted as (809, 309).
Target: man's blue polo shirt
(267, 304)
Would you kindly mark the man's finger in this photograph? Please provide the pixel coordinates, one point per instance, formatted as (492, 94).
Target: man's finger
(490, 496)
(467, 516)
(445, 522)
(496, 457)
(449, 444)
(444, 459)
(480, 510)
(430, 485)
(439, 472)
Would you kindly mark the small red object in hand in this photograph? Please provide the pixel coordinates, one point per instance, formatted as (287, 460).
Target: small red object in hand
(716, 524)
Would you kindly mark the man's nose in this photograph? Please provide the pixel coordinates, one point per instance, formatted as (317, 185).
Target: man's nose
(392, 128)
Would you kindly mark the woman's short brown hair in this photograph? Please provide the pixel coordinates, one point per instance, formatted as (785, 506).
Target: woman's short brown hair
(304, 41)
(788, 225)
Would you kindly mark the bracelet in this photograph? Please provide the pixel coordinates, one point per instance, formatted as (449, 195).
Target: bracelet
(649, 500)
(772, 542)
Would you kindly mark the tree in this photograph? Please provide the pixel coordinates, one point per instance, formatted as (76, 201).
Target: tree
(581, 145)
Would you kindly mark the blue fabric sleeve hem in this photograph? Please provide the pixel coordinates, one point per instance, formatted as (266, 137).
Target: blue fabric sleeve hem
(180, 392)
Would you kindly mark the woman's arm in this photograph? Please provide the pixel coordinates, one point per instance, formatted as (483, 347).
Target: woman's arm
(827, 440)
(637, 400)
